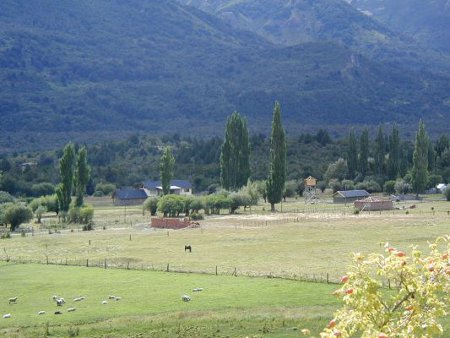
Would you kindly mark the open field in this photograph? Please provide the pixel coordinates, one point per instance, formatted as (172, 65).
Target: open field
(306, 242)
(151, 303)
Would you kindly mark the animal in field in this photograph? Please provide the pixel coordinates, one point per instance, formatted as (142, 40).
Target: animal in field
(8, 315)
(13, 300)
(187, 247)
(185, 298)
(41, 313)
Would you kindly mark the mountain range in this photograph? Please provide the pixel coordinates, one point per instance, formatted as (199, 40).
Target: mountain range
(94, 70)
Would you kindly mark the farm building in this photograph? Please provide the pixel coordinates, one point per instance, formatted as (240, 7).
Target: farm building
(373, 204)
(129, 196)
(177, 187)
(348, 196)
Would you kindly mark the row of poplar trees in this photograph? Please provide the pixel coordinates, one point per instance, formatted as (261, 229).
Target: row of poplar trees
(235, 157)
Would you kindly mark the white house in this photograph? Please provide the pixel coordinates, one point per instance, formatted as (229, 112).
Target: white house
(177, 187)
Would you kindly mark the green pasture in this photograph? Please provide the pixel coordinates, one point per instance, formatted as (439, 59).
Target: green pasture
(151, 304)
(308, 245)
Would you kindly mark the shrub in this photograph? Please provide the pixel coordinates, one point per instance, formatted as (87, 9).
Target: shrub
(151, 205)
(16, 215)
(42, 189)
(196, 216)
(171, 205)
(389, 187)
(6, 197)
(447, 194)
(105, 188)
(6, 235)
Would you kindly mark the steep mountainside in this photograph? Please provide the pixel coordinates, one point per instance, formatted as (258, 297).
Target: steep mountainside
(290, 22)
(428, 21)
(101, 68)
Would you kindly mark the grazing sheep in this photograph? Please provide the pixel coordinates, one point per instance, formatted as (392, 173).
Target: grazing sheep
(60, 302)
(58, 313)
(13, 300)
(118, 298)
(71, 309)
(104, 302)
(197, 289)
(78, 299)
(41, 313)
(8, 315)
(186, 298)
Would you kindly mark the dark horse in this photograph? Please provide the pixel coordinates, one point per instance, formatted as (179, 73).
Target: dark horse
(187, 247)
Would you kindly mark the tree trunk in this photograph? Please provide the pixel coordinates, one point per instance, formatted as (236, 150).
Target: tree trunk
(272, 207)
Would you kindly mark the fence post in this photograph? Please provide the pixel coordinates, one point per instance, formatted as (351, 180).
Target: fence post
(128, 265)
(130, 237)
(328, 278)
(389, 283)
(47, 259)
(216, 270)
(105, 263)
(87, 262)
(167, 269)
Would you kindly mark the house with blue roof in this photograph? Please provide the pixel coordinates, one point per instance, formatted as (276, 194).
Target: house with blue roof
(129, 196)
(347, 196)
(177, 187)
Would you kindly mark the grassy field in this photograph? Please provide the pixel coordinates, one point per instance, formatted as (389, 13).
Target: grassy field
(306, 242)
(151, 303)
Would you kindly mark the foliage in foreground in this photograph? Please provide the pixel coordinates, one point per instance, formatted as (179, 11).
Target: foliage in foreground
(419, 297)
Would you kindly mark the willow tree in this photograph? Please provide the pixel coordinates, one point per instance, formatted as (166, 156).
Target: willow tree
(419, 173)
(66, 170)
(235, 154)
(277, 173)
(166, 168)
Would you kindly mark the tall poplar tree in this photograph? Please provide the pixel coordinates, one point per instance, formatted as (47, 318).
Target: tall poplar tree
(364, 152)
(419, 173)
(166, 168)
(66, 170)
(352, 155)
(235, 154)
(394, 154)
(82, 173)
(277, 173)
(379, 152)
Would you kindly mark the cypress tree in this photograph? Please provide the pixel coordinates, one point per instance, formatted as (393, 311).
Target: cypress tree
(364, 152)
(379, 152)
(419, 172)
(352, 155)
(66, 170)
(235, 154)
(82, 173)
(166, 168)
(277, 174)
(394, 154)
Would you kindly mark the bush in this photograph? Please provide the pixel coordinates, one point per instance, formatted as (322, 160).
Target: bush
(42, 189)
(105, 188)
(389, 187)
(447, 194)
(196, 217)
(6, 197)
(6, 235)
(151, 205)
(83, 215)
(171, 205)
(16, 215)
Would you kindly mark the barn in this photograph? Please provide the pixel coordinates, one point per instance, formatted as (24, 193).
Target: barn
(373, 204)
(349, 196)
(129, 196)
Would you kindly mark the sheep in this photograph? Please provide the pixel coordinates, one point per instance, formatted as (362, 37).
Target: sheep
(78, 299)
(41, 313)
(8, 315)
(71, 309)
(197, 289)
(186, 298)
(60, 302)
(111, 297)
(104, 302)
(13, 300)
(58, 313)
(118, 298)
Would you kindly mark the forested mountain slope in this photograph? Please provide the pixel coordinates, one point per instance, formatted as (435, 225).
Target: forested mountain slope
(97, 69)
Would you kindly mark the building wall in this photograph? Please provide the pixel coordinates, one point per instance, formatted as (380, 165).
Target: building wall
(120, 202)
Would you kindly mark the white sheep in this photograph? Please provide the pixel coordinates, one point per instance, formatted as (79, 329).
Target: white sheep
(111, 297)
(8, 315)
(13, 300)
(118, 298)
(78, 299)
(71, 309)
(197, 289)
(185, 298)
(60, 302)
(41, 313)
(104, 302)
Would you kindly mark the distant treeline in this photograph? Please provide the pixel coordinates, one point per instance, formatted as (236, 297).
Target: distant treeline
(132, 161)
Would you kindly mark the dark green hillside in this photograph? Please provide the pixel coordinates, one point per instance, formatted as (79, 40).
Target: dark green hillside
(90, 70)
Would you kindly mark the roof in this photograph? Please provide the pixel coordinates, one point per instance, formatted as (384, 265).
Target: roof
(152, 185)
(353, 193)
(130, 194)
